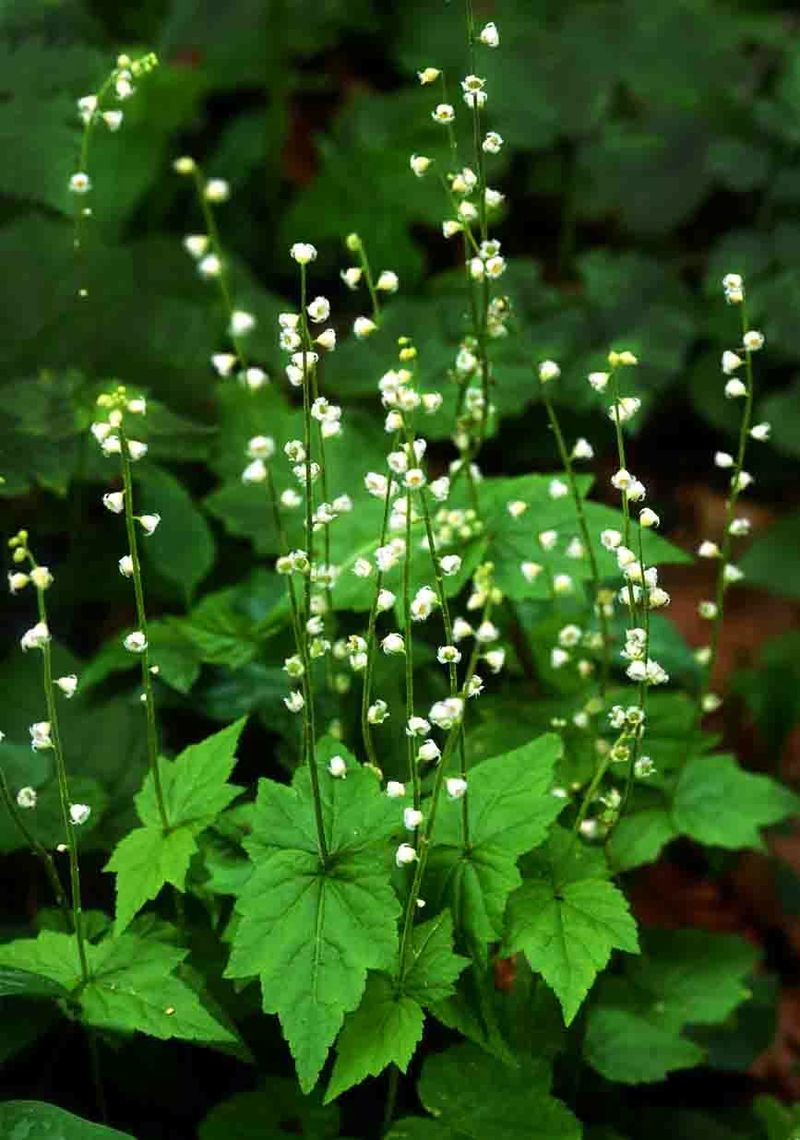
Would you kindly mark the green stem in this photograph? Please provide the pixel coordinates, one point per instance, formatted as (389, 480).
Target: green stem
(141, 618)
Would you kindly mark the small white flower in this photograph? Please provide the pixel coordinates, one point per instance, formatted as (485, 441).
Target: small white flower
(388, 281)
(548, 539)
(492, 143)
(36, 637)
(648, 518)
(362, 568)
(569, 636)
(495, 659)
(294, 702)
(559, 657)
(26, 798)
(557, 489)
(444, 714)
(412, 818)
(196, 245)
(242, 322)
(448, 655)
(114, 501)
(352, 276)
(417, 726)
(80, 183)
(707, 610)
(624, 409)
(261, 447)
(598, 380)
(126, 566)
(404, 855)
(548, 370)
(731, 574)
(40, 736)
(486, 633)
(732, 281)
(17, 581)
(378, 712)
(79, 813)
(708, 549)
(112, 119)
(516, 508)
(739, 527)
(337, 766)
(450, 228)
(68, 685)
(319, 310)
(303, 252)
(363, 327)
(428, 751)
(41, 577)
(735, 389)
(393, 643)
(753, 340)
(395, 790)
(443, 113)
(87, 105)
(563, 584)
(216, 190)
(183, 165)
(428, 75)
(420, 164)
(582, 449)
(531, 570)
(149, 523)
(209, 266)
(135, 642)
(740, 483)
(255, 472)
(224, 363)
(137, 450)
(730, 362)
(489, 35)
(385, 600)
(137, 406)
(760, 432)
(723, 459)
(450, 564)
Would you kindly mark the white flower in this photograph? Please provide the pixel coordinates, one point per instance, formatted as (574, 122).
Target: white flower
(753, 340)
(450, 564)
(531, 570)
(708, 550)
(444, 714)
(319, 310)
(443, 113)
(582, 449)
(17, 581)
(377, 485)
(209, 266)
(489, 35)
(569, 636)
(255, 472)
(621, 479)
(760, 432)
(548, 370)
(149, 523)
(79, 813)
(456, 787)
(294, 702)
(428, 75)
(26, 798)
(558, 657)
(196, 245)
(112, 119)
(135, 642)
(707, 610)
(352, 276)
(730, 362)
(723, 459)
(648, 518)
(137, 406)
(486, 633)
(224, 363)
(80, 183)
(562, 584)
(395, 790)
(36, 637)
(114, 501)
(385, 600)
(261, 447)
(731, 574)
(450, 228)
(428, 751)
(393, 643)
(598, 380)
(126, 566)
(216, 190)
(362, 568)
(378, 712)
(739, 527)
(742, 481)
(41, 577)
(404, 855)
(337, 766)
(516, 507)
(40, 735)
(735, 389)
(417, 726)
(303, 252)
(495, 267)
(557, 489)
(68, 685)
(242, 322)
(492, 143)
(412, 818)
(363, 327)
(548, 539)
(495, 659)
(448, 655)
(388, 281)
(474, 686)
(87, 105)
(624, 409)
(732, 281)
(420, 164)
(136, 450)
(183, 165)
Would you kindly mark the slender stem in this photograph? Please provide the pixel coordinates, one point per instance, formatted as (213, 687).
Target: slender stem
(38, 849)
(368, 279)
(141, 618)
(63, 792)
(569, 468)
(366, 692)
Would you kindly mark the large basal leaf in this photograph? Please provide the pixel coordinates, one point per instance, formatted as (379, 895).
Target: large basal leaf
(35, 1120)
(182, 549)
(567, 919)
(510, 808)
(311, 930)
(196, 790)
(273, 1112)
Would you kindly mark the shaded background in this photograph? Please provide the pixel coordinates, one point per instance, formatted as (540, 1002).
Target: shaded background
(650, 148)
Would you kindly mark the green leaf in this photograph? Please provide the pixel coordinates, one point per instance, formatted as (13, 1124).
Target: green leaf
(635, 1029)
(195, 792)
(15, 982)
(278, 1110)
(35, 1120)
(182, 549)
(477, 1098)
(567, 920)
(771, 561)
(781, 1121)
(132, 984)
(385, 1029)
(510, 808)
(311, 930)
(434, 967)
(639, 837)
(721, 805)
